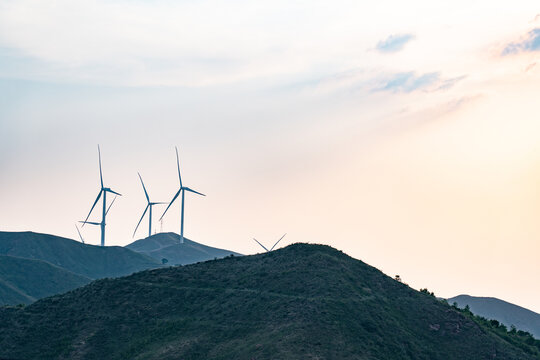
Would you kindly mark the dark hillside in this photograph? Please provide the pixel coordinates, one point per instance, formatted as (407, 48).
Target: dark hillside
(505, 312)
(168, 246)
(87, 260)
(299, 302)
(25, 280)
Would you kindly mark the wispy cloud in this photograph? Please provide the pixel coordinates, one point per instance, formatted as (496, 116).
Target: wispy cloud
(530, 43)
(448, 83)
(408, 82)
(394, 43)
(530, 66)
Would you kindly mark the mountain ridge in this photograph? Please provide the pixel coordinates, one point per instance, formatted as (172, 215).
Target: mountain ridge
(301, 301)
(167, 246)
(505, 312)
(86, 260)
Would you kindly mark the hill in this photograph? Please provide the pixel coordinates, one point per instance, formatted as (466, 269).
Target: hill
(505, 312)
(23, 280)
(90, 261)
(167, 245)
(299, 302)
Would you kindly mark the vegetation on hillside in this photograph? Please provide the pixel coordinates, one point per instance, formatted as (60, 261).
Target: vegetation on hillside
(504, 312)
(90, 261)
(299, 302)
(24, 280)
(522, 339)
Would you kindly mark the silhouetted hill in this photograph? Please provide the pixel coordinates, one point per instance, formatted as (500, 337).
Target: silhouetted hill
(25, 280)
(299, 302)
(505, 312)
(167, 245)
(87, 260)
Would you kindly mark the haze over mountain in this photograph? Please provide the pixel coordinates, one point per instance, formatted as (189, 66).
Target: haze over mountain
(507, 313)
(299, 302)
(168, 246)
(23, 281)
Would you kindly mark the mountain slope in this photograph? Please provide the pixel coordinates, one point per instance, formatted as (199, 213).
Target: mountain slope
(505, 312)
(167, 246)
(299, 302)
(25, 280)
(87, 260)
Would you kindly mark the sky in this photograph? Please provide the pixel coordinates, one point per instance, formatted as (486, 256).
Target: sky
(403, 133)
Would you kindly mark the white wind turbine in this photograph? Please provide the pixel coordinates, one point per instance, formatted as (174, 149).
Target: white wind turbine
(182, 190)
(103, 191)
(148, 207)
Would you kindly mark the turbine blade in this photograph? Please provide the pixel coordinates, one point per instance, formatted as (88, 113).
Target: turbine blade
(261, 245)
(193, 191)
(90, 222)
(145, 193)
(278, 241)
(114, 192)
(178, 164)
(174, 198)
(95, 202)
(139, 223)
(109, 208)
(76, 227)
(100, 173)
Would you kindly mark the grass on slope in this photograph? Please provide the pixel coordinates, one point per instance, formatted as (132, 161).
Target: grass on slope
(300, 302)
(24, 280)
(87, 260)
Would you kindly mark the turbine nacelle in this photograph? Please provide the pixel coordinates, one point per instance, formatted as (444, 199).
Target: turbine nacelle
(111, 191)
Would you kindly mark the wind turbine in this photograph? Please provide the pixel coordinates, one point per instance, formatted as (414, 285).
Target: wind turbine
(104, 191)
(182, 190)
(272, 248)
(149, 206)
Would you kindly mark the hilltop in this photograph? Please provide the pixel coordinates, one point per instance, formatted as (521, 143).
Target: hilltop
(505, 312)
(90, 261)
(22, 281)
(299, 302)
(168, 246)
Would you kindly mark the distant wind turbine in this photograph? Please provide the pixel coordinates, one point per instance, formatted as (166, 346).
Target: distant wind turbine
(149, 206)
(272, 248)
(82, 240)
(182, 190)
(103, 191)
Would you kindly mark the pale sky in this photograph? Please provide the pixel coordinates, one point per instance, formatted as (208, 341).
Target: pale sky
(403, 133)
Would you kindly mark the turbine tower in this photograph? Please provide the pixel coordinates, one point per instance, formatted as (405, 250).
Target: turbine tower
(182, 190)
(149, 206)
(272, 248)
(103, 191)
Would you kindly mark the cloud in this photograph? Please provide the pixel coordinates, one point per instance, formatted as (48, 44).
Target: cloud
(448, 83)
(394, 43)
(409, 81)
(530, 43)
(531, 66)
